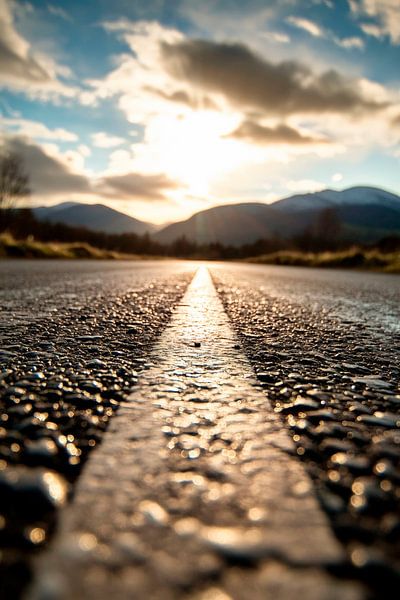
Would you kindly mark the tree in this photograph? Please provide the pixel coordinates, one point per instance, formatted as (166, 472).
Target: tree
(14, 181)
(328, 226)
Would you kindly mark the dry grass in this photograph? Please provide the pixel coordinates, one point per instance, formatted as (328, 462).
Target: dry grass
(31, 248)
(353, 258)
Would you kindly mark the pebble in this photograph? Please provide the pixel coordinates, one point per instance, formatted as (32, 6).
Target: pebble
(300, 405)
(380, 420)
(31, 492)
(236, 543)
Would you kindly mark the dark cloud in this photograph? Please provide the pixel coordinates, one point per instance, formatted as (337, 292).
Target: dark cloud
(396, 120)
(249, 81)
(179, 96)
(26, 68)
(15, 59)
(47, 174)
(281, 134)
(137, 186)
(182, 97)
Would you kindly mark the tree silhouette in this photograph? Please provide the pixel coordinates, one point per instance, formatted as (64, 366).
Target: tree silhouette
(14, 181)
(328, 226)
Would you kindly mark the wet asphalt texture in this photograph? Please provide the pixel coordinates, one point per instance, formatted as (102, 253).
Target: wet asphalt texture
(324, 345)
(326, 348)
(74, 337)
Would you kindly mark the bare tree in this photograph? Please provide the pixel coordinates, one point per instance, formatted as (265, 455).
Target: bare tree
(14, 181)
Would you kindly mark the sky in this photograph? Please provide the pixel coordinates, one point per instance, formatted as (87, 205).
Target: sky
(162, 108)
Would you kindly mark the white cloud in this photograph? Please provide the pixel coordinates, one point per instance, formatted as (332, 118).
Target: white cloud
(276, 36)
(386, 14)
(230, 20)
(373, 30)
(310, 26)
(350, 42)
(84, 150)
(305, 185)
(37, 130)
(119, 161)
(57, 11)
(336, 177)
(319, 32)
(101, 139)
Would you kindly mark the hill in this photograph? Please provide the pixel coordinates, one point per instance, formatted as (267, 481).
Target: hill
(361, 196)
(366, 214)
(93, 216)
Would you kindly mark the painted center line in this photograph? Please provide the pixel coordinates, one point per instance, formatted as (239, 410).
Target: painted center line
(195, 491)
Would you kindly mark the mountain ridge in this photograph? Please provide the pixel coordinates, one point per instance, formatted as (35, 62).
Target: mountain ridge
(366, 211)
(97, 217)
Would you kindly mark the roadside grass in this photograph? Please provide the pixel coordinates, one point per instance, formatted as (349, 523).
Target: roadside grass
(353, 258)
(31, 248)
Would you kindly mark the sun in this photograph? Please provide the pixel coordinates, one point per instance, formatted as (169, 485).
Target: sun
(194, 147)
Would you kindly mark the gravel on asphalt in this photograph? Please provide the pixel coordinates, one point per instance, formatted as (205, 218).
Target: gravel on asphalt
(72, 342)
(336, 384)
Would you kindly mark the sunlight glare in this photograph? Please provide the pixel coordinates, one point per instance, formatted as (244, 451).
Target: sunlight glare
(193, 148)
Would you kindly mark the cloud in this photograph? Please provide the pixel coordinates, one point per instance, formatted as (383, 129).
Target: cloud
(137, 186)
(84, 150)
(310, 26)
(183, 97)
(396, 120)
(222, 19)
(252, 82)
(37, 130)
(336, 177)
(350, 42)
(305, 186)
(23, 69)
(53, 174)
(277, 37)
(317, 31)
(16, 58)
(57, 11)
(49, 175)
(373, 30)
(280, 134)
(101, 139)
(386, 14)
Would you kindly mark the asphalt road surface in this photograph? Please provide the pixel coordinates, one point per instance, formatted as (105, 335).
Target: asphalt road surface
(325, 345)
(74, 336)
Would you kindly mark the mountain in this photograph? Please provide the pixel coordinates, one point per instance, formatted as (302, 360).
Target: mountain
(355, 196)
(231, 224)
(367, 214)
(93, 216)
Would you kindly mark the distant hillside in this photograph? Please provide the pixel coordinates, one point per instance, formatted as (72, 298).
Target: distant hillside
(93, 216)
(367, 214)
(232, 224)
(360, 196)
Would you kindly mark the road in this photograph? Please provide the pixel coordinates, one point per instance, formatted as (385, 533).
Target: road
(369, 298)
(74, 336)
(325, 346)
